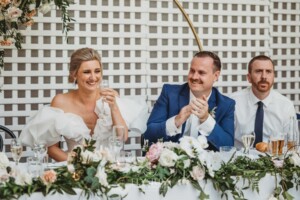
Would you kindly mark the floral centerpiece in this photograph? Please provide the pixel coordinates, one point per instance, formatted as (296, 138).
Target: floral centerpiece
(18, 14)
(95, 171)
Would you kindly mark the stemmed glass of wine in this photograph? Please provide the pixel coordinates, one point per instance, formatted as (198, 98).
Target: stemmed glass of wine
(16, 150)
(248, 139)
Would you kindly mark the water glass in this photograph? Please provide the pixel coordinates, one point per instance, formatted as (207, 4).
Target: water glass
(292, 135)
(117, 140)
(227, 149)
(35, 167)
(126, 157)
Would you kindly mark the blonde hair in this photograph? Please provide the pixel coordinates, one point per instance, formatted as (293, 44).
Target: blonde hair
(78, 57)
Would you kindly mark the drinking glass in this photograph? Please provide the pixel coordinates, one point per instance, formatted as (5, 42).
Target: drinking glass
(276, 144)
(40, 151)
(34, 167)
(117, 140)
(103, 84)
(292, 135)
(225, 149)
(248, 139)
(16, 150)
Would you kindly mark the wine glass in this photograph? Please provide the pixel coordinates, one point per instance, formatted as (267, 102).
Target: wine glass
(248, 140)
(16, 150)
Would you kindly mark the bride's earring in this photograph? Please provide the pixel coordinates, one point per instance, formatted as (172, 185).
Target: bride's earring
(75, 82)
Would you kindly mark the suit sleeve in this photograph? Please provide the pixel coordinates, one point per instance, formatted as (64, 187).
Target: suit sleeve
(156, 125)
(223, 132)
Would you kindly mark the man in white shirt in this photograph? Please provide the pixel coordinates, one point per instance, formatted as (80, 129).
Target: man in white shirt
(278, 111)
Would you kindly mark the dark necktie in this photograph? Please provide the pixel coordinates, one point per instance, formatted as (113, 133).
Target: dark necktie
(259, 120)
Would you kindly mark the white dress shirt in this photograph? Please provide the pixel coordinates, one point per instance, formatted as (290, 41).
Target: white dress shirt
(278, 114)
(193, 125)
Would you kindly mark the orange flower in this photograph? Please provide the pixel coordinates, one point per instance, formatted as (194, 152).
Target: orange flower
(30, 22)
(49, 177)
(6, 42)
(31, 13)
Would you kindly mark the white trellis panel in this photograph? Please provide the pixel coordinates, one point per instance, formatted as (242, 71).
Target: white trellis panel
(145, 43)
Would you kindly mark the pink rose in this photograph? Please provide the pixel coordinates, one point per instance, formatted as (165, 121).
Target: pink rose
(278, 163)
(49, 177)
(154, 152)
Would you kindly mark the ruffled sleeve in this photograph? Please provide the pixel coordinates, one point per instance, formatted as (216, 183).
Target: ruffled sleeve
(49, 124)
(134, 112)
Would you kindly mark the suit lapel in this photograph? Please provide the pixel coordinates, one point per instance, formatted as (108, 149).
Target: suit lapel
(212, 102)
(184, 99)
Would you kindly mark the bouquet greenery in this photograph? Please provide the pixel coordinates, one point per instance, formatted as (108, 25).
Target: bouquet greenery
(18, 14)
(95, 172)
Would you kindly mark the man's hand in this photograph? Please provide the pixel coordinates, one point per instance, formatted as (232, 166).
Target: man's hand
(200, 108)
(183, 115)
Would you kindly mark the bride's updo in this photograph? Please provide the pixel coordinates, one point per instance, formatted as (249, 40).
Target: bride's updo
(79, 56)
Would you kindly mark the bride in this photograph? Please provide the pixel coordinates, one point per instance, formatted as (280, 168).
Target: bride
(87, 111)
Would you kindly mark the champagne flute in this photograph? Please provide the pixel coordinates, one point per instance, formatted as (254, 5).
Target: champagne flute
(16, 150)
(248, 140)
(104, 84)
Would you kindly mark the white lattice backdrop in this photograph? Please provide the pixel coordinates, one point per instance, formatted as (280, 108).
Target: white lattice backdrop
(145, 43)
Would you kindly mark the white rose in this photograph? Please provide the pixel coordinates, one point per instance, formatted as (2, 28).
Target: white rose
(213, 162)
(187, 144)
(203, 141)
(88, 156)
(295, 159)
(71, 168)
(23, 179)
(272, 198)
(31, 6)
(13, 13)
(102, 176)
(171, 145)
(4, 162)
(186, 163)
(168, 158)
(197, 173)
(45, 8)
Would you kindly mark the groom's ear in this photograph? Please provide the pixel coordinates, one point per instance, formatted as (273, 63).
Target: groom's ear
(216, 74)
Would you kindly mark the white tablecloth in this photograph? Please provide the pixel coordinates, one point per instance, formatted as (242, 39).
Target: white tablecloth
(179, 192)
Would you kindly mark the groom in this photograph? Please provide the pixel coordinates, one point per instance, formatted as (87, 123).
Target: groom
(195, 107)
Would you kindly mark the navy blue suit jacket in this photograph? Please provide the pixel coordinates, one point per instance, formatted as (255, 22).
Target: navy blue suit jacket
(169, 104)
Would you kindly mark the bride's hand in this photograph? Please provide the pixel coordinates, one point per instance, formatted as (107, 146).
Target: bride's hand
(109, 96)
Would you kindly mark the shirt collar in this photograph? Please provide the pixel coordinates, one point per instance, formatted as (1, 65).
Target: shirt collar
(192, 96)
(253, 99)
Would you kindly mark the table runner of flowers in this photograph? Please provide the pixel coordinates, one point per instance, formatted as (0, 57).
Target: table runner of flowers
(95, 172)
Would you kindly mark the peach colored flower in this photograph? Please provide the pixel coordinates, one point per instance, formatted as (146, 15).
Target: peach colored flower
(29, 22)
(4, 3)
(6, 42)
(49, 177)
(31, 13)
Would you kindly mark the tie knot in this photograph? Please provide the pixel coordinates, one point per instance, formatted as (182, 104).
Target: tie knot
(260, 104)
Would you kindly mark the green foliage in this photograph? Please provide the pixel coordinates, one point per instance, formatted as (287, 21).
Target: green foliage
(85, 176)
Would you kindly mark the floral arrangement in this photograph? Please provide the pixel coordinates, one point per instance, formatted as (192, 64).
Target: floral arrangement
(18, 14)
(95, 171)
